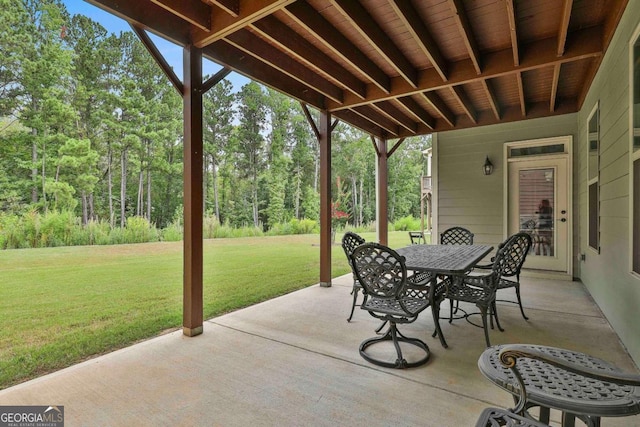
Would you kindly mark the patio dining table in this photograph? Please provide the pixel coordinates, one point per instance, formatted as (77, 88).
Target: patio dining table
(442, 260)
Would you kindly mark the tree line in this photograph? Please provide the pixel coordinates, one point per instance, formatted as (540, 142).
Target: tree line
(89, 125)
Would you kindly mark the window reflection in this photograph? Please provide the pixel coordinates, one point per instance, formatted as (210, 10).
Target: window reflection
(536, 209)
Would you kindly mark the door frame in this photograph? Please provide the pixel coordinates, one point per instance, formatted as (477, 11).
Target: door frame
(567, 140)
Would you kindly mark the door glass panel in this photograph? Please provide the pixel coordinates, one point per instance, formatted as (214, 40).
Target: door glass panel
(535, 208)
(636, 96)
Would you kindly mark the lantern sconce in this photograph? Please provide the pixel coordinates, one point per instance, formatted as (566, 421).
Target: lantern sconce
(488, 166)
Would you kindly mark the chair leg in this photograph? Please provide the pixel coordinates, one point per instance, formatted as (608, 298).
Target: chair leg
(520, 301)
(483, 312)
(451, 310)
(354, 291)
(494, 310)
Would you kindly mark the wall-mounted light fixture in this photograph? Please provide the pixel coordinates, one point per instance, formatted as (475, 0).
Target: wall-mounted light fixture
(488, 167)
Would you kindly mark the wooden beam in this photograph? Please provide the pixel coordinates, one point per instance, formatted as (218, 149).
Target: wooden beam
(565, 17)
(358, 122)
(264, 52)
(536, 55)
(495, 107)
(395, 147)
(382, 193)
(392, 112)
(464, 101)
(224, 24)
(312, 123)
(325, 198)
(296, 46)
(194, 12)
(215, 79)
(439, 105)
(412, 20)
(554, 88)
(232, 7)
(523, 101)
(588, 79)
(511, 15)
(158, 57)
(368, 28)
(417, 111)
(230, 56)
(466, 32)
(192, 316)
(312, 21)
(369, 113)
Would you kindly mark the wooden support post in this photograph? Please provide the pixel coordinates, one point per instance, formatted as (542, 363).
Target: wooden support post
(382, 195)
(192, 280)
(325, 198)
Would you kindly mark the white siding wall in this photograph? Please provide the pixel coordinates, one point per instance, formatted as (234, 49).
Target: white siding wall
(606, 274)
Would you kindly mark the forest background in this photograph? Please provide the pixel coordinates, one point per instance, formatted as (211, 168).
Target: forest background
(91, 146)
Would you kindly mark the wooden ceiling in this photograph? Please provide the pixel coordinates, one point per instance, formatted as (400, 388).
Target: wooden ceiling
(399, 68)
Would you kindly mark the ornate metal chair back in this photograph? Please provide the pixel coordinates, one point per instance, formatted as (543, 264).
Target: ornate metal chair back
(350, 241)
(380, 270)
(519, 244)
(456, 236)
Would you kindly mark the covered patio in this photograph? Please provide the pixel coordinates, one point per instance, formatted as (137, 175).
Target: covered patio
(313, 374)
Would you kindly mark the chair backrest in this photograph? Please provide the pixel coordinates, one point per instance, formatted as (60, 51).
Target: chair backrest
(416, 237)
(350, 241)
(456, 236)
(380, 270)
(519, 245)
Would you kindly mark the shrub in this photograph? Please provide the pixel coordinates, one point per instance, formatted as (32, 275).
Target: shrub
(173, 233)
(139, 230)
(407, 223)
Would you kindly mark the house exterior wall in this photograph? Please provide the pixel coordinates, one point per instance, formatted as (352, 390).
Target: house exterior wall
(607, 274)
(467, 198)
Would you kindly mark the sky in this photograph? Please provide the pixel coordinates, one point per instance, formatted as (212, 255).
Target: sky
(171, 52)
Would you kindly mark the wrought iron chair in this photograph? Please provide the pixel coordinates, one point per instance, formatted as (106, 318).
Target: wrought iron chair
(417, 237)
(515, 259)
(480, 289)
(390, 298)
(572, 377)
(456, 236)
(350, 241)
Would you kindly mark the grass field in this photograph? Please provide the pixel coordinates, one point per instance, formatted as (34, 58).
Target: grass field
(59, 306)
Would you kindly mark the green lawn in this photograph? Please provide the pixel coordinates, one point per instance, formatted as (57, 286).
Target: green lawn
(60, 306)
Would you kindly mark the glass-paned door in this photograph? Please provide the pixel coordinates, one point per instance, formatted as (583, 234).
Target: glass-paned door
(538, 205)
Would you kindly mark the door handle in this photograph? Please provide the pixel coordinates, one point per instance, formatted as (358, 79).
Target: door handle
(563, 219)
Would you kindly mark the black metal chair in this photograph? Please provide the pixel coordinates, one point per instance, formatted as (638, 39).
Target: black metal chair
(390, 298)
(515, 259)
(571, 376)
(456, 236)
(480, 289)
(417, 237)
(350, 241)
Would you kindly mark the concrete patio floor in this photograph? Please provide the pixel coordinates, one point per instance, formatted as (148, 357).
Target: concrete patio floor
(293, 361)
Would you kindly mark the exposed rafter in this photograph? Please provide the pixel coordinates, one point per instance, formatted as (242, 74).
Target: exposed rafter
(417, 111)
(251, 44)
(523, 101)
(409, 15)
(386, 108)
(438, 104)
(369, 113)
(302, 50)
(312, 21)
(554, 88)
(225, 24)
(564, 25)
(232, 7)
(513, 30)
(491, 96)
(467, 33)
(370, 30)
(195, 12)
(460, 95)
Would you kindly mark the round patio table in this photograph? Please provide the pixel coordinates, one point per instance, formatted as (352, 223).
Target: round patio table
(575, 395)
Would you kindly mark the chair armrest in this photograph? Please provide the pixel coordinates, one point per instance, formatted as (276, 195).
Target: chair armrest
(510, 353)
(420, 278)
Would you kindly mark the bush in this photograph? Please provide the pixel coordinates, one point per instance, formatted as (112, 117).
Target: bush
(173, 233)
(408, 223)
(139, 230)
